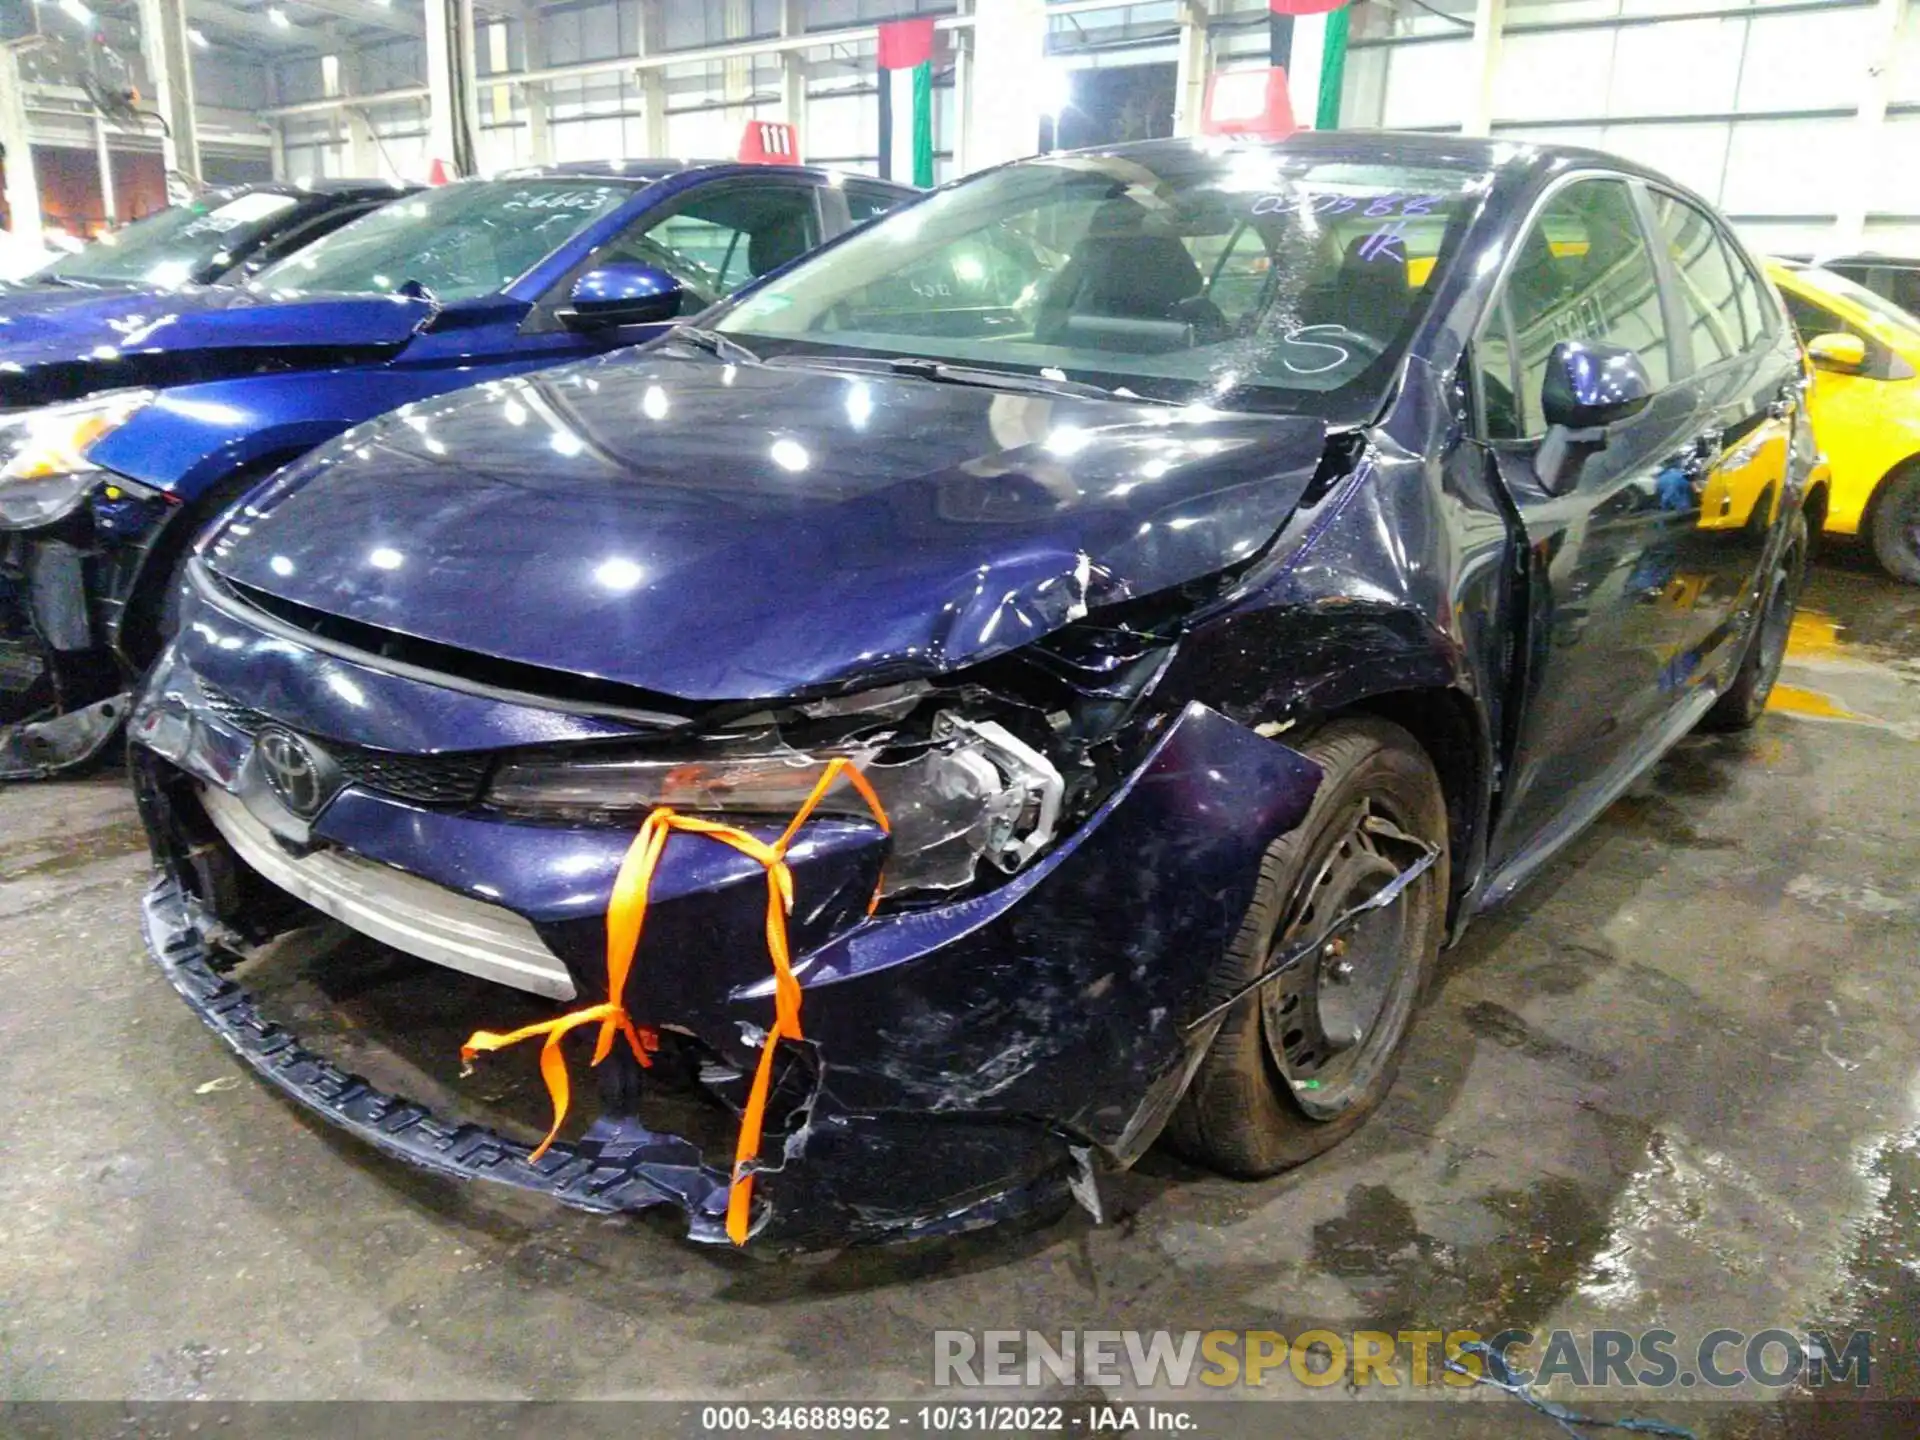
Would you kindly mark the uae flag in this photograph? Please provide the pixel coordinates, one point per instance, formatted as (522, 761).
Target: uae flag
(1333, 50)
(906, 101)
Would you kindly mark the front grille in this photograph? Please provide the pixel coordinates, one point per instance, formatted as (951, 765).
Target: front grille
(429, 779)
(455, 779)
(243, 718)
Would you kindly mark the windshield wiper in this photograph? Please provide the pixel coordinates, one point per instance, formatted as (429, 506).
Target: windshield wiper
(942, 372)
(714, 343)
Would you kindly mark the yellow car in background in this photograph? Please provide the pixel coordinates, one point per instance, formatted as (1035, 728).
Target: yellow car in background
(1865, 408)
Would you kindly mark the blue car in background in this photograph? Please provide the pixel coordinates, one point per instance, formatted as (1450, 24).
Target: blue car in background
(219, 237)
(129, 419)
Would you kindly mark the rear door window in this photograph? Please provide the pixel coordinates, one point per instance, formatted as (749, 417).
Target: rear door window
(1757, 313)
(1709, 292)
(866, 202)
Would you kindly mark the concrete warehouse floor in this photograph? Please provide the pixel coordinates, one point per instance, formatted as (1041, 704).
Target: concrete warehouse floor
(1678, 1082)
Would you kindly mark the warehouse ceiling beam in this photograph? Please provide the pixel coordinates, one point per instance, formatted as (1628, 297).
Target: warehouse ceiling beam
(394, 17)
(650, 61)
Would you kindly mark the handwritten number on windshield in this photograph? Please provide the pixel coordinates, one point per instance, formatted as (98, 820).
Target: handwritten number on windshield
(1394, 205)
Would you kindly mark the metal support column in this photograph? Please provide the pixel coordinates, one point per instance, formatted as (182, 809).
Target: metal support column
(1190, 68)
(537, 98)
(793, 75)
(1009, 80)
(736, 83)
(963, 43)
(1489, 18)
(23, 186)
(1861, 160)
(653, 81)
(467, 56)
(103, 154)
(442, 59)
(169, 57)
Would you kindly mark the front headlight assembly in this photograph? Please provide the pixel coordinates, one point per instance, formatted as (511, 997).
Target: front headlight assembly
(44, 470)
(969, 790)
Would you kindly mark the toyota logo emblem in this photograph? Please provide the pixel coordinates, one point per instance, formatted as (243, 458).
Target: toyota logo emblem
(293, 771)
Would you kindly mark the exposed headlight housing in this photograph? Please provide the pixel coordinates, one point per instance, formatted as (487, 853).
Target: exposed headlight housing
(972, 791)
(44, 470)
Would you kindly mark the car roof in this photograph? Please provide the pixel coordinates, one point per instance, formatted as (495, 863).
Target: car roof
(1515, 158)
(330, 188)
(650, 169)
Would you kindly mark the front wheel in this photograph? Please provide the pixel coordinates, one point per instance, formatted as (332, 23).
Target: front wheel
(1745, 699)
(1298, 1065)
(1895, 528)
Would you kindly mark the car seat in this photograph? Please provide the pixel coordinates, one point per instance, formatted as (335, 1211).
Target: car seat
(1138, 293)
(778, 243)
(1369, 294)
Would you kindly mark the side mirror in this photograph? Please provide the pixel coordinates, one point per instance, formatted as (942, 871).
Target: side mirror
(1837, 351)
(623, 292)
(1589, 386)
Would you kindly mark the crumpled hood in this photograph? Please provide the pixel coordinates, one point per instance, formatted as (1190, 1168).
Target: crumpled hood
(714, 531)
(121, 334)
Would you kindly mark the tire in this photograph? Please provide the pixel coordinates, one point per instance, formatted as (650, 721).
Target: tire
(1270, 1093)
(1894, 529)
(1745, 699)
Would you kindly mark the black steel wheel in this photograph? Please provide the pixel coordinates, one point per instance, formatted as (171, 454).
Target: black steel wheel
(1745, 699)
(1299, 1064)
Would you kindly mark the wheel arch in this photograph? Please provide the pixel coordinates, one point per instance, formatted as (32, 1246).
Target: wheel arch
(1815, 505)
(1880, 488)
(1447, 726)
(138, 638)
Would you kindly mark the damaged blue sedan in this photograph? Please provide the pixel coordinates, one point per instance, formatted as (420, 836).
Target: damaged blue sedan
(1047, 674)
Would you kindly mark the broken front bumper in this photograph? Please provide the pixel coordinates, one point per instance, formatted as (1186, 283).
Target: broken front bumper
(960, 1062)
(606, 1173)
(63, 598)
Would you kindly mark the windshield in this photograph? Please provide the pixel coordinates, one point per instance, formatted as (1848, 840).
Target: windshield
(1189, 274)
(459, 241)
(176, 246)
(1876, 305)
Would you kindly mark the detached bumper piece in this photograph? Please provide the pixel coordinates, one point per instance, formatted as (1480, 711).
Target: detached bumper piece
(628, 1170)
(40, 749)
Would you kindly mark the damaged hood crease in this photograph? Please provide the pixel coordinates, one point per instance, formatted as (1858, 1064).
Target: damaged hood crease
(714, 532)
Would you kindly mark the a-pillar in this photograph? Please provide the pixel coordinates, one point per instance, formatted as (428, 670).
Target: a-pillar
(169, 58)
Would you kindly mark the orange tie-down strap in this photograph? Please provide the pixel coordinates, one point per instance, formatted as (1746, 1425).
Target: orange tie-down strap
(627, 914)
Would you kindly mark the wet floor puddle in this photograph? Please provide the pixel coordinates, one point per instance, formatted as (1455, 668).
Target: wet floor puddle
(1864, 682)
